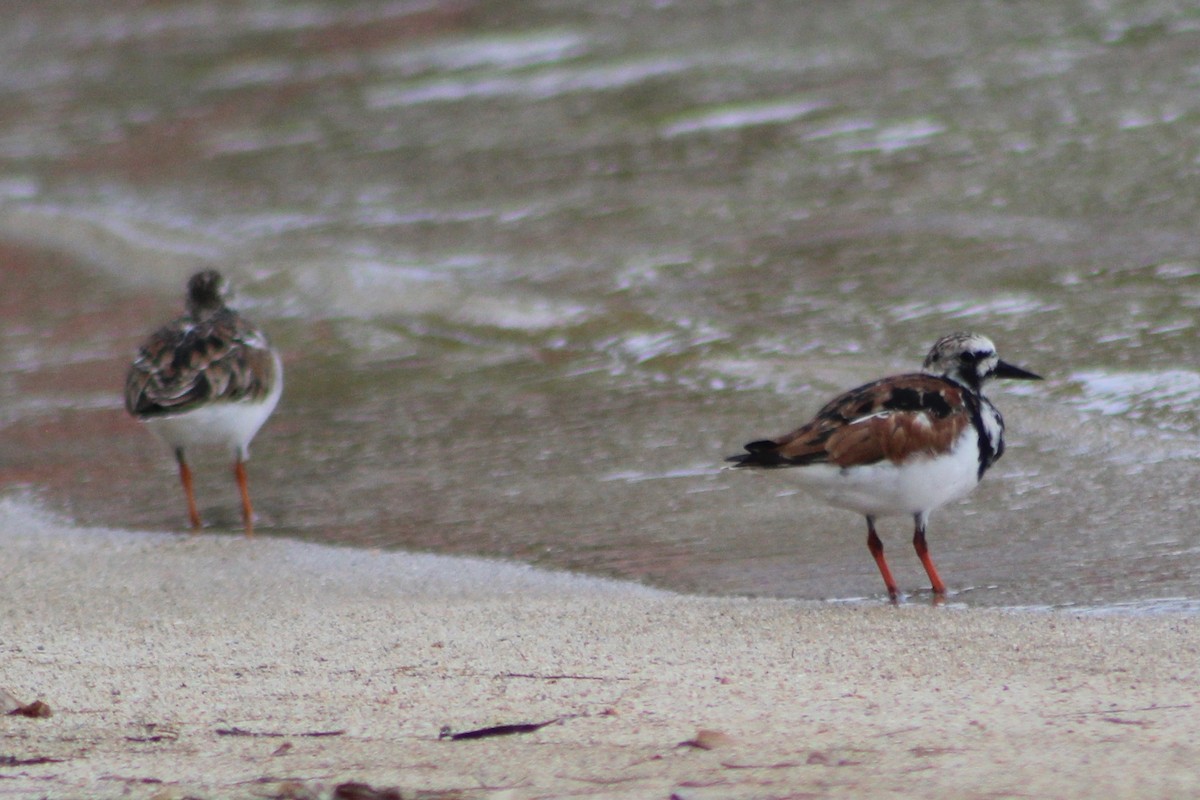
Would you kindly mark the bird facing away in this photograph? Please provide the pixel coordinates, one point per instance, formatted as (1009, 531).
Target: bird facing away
(906, 444)
(206, 378)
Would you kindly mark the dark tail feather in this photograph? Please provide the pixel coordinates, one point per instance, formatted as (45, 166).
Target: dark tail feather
(764, 453)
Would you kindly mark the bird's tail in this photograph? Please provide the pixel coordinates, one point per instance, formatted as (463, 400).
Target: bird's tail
(761, 454)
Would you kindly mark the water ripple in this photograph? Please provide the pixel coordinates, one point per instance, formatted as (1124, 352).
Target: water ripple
(539, 85)
(742, 115)
(1140, 394)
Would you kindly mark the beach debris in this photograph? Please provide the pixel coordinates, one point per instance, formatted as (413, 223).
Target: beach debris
(275, 734)
(242, 732)
(283, 749)
(708, 739)
(1118, 721)
(155, 733)
(559, 677)
(13, 761)
(826, 758)
(291, 790)
(37, 710)
(1152, 707)
(756, 765)
(496, 730)
(9, 704)
(920, 751)
(364, 791)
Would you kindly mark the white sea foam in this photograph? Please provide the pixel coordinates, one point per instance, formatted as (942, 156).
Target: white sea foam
(369, 288)
(541, 84)
(900, 135)
(513, 51)
(742, 115)
(149, 247)
(272, 566)
(1120, 393)
(1006, 305)
(152, 247)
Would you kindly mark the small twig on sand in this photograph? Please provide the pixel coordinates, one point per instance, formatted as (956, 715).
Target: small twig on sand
(273, 734)
(497, 730)
(559, 677)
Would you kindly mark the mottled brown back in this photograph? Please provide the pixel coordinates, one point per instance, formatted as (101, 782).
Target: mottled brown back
(189, 363)
(894, 419)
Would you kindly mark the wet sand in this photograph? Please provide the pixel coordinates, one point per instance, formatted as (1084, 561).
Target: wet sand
(211, 666)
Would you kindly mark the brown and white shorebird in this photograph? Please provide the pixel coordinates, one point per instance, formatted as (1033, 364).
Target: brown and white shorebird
(901, 445)
(206, 378)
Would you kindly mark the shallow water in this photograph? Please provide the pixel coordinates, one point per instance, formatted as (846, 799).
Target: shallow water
(537, 267)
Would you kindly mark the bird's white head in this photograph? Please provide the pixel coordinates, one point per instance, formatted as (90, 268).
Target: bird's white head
(970, 359)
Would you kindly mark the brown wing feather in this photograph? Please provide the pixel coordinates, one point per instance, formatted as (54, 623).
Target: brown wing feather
(894, 436)
(187, 363)
(893, 419)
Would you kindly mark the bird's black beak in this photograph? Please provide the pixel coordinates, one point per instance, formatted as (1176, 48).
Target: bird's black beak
(1006, 370)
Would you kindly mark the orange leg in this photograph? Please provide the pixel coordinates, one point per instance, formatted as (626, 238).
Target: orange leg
(922, 549)
(876, 548)
(239, 472)
(185, 477)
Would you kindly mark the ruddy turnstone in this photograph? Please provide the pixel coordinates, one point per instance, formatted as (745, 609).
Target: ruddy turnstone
(901, 445)
(207, 378)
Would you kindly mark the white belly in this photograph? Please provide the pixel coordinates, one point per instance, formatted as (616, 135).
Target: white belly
(223, 424)
(886, 489)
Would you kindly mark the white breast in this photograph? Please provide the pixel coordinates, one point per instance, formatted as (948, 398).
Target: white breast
(223, 424)
(887, 489)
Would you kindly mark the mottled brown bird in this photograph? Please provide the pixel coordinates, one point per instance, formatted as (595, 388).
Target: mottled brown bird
(907, 444)
(206, 378)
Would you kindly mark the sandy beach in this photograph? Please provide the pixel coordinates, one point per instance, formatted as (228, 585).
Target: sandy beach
(211, 666)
